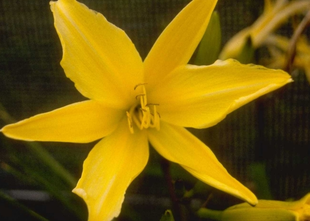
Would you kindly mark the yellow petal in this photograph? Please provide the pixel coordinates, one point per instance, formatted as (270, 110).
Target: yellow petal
(180, 146)
(176, 44)
(78, 123)
(97, 56)
(109, 169)
(202, 96)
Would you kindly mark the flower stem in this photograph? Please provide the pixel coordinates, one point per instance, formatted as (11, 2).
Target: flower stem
(176, 207)
(292, 46)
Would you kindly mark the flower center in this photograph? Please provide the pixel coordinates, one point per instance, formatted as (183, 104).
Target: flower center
(144, 114)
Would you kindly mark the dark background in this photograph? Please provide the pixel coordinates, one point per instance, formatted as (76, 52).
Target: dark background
(265, 144)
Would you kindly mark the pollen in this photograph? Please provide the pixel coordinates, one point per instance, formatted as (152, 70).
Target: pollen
(144, 115)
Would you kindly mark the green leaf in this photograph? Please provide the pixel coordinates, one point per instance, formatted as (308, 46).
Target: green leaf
(247, 52)
(258, 174)
(210, 45)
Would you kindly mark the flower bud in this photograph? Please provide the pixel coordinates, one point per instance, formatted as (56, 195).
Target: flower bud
(265, 210)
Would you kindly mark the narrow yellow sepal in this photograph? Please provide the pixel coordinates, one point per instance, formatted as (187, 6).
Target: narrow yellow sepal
(79, 122)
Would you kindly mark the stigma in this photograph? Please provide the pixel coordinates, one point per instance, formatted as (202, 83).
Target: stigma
(144, 115)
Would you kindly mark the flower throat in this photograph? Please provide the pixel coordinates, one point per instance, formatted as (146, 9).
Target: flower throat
(144, 115)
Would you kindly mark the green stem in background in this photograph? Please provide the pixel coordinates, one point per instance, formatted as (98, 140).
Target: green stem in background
(29, 175)
(293, 42)
(62, 179)
(16, 173)
(55, 189)
(42, 154)
(27, 212)
(57, 168)
(165, 165)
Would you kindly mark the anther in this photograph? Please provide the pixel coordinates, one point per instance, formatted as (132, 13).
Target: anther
(130, 125)
(144, 115)
(139, 95)
(138, 85)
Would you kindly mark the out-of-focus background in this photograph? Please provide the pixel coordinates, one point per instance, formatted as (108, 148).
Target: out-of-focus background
(265, 144)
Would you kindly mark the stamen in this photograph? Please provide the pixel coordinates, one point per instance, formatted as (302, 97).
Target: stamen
(129, 118)
(144, 115)
(155, 118)
(139, 95)
(151, 104)
(138, 85)
(145, 118)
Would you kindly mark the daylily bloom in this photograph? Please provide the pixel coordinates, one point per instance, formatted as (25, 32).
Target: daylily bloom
(132, 102)
(274, 15)
(265, 210)
(278, 46)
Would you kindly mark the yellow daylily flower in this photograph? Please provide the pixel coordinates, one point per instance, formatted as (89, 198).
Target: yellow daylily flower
(274, 15)
(265, 210)
(132, 102)
(278, 46)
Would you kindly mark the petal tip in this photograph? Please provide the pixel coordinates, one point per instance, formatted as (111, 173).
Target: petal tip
(80, 192)
(5, 131)
(290, 80)
(253, 201)
(242, 192)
